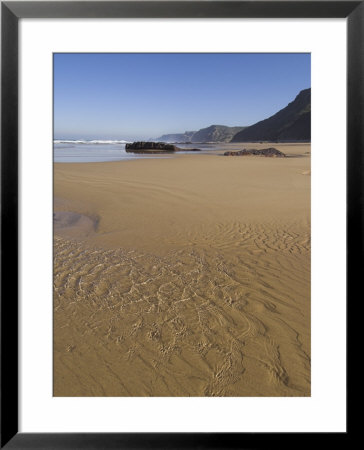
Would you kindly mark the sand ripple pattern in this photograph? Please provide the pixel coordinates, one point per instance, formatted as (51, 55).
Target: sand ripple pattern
(228, 319)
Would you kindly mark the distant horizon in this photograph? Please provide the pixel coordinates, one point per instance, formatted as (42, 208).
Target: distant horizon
(143, 96)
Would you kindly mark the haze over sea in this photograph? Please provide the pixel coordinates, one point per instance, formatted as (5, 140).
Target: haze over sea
(80, 151)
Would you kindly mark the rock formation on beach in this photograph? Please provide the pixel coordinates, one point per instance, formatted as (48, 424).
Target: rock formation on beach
(155, 147)
(267, 152)
(292, 123)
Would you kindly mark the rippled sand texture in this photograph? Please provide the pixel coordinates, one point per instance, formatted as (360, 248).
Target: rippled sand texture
(193, 279)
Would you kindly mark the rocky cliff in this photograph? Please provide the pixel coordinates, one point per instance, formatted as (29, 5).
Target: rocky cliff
(213, 133)
(292, 123)
(177, 137)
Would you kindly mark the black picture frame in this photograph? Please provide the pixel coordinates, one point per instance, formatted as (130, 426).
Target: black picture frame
(11, 12)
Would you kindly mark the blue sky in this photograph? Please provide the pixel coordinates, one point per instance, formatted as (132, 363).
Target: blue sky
(141, 96)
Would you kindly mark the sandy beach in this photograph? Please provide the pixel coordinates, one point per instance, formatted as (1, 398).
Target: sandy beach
(186, 275)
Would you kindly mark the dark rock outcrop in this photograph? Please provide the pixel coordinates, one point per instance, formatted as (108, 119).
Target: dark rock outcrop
(267, 152)
(290, 124)
(155, 147)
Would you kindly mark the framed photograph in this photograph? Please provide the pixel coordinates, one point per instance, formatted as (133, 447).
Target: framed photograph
(181, 190)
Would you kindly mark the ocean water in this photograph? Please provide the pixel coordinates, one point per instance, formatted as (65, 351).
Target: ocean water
(90, 151)
(65, 151)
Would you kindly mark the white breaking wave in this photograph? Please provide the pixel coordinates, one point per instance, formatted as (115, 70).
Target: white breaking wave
(95, 141)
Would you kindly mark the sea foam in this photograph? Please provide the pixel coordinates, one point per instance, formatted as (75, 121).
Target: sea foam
(82, 141)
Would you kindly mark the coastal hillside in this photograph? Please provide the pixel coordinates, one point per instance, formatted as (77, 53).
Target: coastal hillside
(292, 123)
(176, 137)
(213, 133)
(216, 133)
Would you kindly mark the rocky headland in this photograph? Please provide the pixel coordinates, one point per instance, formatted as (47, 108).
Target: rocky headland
(290, 124)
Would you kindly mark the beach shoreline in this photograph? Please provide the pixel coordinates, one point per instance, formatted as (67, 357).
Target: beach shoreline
(183, 276)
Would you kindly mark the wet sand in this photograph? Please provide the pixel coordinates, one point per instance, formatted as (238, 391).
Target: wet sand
(183, 276)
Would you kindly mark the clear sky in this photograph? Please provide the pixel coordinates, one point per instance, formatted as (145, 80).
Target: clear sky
(142, 96)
